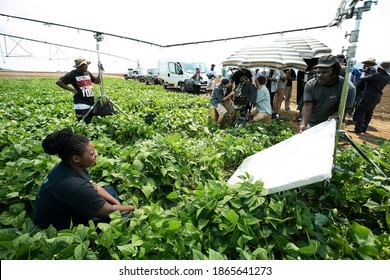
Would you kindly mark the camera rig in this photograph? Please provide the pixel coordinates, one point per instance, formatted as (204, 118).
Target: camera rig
(242, 102)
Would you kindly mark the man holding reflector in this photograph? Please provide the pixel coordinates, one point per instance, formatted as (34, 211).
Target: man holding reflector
(322, 94)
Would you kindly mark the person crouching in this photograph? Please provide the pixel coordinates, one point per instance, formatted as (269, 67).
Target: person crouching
(262, 112)
(221, 102)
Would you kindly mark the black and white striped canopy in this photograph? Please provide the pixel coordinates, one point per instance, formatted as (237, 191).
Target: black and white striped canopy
(273, 55)
(307, 47)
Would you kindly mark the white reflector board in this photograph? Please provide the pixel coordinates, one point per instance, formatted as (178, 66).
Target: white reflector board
(301, 160)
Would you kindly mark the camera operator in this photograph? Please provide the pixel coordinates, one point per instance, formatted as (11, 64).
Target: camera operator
(236, 77)
(263, 111)
(220, 100)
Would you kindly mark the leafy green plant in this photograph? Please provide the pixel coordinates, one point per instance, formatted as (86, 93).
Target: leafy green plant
(170, 161)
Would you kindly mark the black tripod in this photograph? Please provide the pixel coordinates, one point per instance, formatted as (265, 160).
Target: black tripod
(241, 115)
(102, 97)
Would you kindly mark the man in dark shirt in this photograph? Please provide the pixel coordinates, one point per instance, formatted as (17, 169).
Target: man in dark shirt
(371, 97)
(81, 80)
(236, 77)
(322, 94)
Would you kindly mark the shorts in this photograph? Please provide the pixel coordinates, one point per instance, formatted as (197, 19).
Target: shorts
(210, 85)
(225, 107)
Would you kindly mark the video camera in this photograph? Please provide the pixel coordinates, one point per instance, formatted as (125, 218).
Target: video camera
(240, 100)
(240, 97)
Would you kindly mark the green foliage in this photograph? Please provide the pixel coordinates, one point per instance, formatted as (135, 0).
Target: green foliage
(168, 159)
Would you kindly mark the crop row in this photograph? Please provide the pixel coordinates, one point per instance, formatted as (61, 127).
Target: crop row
(168, 159)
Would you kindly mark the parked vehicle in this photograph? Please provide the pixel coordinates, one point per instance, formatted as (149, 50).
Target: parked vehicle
(129, 74)
(152, 76)
(177, 74)
(138, 74)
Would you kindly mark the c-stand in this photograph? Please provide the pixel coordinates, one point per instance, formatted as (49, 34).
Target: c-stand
(351, 51)
(99, 38)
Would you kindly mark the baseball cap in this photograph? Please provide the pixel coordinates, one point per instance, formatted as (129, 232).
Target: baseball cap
(80, 61)
(327, 61)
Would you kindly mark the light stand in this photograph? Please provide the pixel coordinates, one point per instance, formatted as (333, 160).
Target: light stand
(351, 52)
(99, 38)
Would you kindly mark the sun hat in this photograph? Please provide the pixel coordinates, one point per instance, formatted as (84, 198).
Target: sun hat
(327, 61)
(385, 65)
(80, 61)
(371, 61)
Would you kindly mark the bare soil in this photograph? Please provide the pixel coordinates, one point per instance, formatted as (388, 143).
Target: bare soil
(379, 128)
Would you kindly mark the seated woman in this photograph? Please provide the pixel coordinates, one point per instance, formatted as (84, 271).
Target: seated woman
(68, 195)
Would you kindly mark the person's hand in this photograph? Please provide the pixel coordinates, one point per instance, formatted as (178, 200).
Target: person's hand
(335, 117)
(302, 127)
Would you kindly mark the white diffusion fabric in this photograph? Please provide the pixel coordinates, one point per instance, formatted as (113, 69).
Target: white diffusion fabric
(301, 160)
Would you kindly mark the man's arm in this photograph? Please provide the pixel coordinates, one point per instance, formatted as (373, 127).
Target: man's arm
(62, 85)
(306, 113)
(97, 80)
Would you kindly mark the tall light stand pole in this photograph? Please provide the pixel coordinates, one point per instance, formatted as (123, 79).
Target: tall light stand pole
(99, 38)
(351, 53)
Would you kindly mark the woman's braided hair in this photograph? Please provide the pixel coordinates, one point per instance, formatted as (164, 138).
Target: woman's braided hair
(65, 144)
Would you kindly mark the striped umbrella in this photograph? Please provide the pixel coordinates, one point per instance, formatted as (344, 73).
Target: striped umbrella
(307, 47)
(275, 55)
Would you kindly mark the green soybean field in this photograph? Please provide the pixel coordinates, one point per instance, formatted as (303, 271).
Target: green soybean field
(173, 164)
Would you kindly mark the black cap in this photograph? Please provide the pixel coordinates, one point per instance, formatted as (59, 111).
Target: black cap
(327, 61)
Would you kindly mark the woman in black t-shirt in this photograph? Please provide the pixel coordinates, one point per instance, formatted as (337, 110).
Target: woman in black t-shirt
(68, 196)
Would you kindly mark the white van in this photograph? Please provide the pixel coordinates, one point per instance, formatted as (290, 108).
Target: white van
(177, 74)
